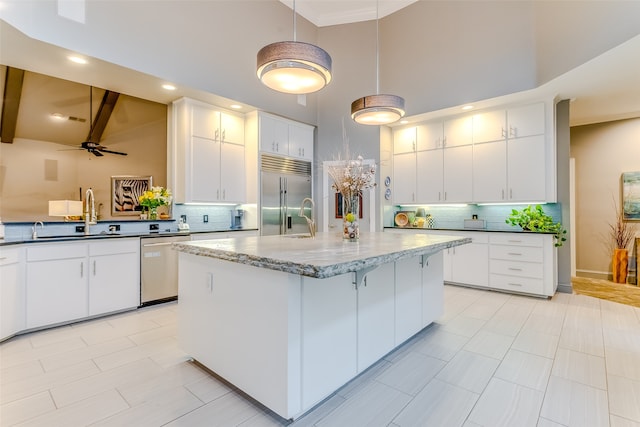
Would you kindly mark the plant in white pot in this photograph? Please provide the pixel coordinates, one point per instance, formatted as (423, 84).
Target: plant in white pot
(533, 218)
(622, 234)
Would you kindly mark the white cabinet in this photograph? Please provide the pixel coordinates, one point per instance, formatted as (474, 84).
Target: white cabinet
(432, 288)
(12, 291)
(458, 174)
(432, 162)
(114, 277)
(285, 137)
(301, 141)
(523, 263)
(222, 234)
(57, 286)
(509, 155)
(74, 280)
(408, 298)
(468, 264)
(376, 319)
(207, 152)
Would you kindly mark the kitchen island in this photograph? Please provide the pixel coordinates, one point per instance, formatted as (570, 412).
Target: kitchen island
(289, 320)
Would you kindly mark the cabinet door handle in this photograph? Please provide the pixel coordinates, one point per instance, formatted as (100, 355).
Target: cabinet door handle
(94, 267)
(82, 269)
(273, 146)
(445, 195)
(224, 194)
(218, 194)
(217, 134)
(444, 141)
(514, 284)
(514, 269)
(511, 193)
(514, 253)
(503, 194)
(514, 241)
(513, 131)
(504, 133)
(439, 195)
(224, 133)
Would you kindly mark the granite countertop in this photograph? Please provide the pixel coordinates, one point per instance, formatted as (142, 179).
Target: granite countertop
(324, 256)
(482, 230)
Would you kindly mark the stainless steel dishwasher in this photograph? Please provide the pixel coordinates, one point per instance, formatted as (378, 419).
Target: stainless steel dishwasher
(159, 269)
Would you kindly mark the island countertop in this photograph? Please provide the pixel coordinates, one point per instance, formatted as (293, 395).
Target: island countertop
(326, 255)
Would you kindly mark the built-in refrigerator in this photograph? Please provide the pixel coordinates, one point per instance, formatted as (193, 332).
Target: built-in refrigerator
(285, 183)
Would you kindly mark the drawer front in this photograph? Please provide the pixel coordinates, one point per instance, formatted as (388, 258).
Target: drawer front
(517, 239)
(516, 284)
(515, 268)
(46, 252)
(516, 253)
(476, 237)
(114, 246)
(9, 256)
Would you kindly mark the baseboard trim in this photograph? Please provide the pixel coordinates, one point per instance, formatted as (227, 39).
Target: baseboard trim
(565, 288)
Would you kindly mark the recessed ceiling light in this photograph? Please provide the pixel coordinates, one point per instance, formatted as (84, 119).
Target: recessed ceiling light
(168, 87)
(467, 107)
(58, 116)
(77, 60)
(236, 106)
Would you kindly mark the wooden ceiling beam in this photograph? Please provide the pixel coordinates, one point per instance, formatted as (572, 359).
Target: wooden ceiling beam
(11, 104)
(102, 117)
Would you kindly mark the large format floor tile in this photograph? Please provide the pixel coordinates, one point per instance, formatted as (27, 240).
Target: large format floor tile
(492, 359)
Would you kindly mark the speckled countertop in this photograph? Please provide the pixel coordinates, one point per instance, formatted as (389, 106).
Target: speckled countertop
(324, 256)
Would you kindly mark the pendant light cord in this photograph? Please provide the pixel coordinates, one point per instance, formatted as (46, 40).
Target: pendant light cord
(377, 50)
(294, 21)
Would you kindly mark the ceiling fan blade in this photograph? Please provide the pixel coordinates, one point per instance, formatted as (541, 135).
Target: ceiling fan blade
(113, 152)
(96, 153)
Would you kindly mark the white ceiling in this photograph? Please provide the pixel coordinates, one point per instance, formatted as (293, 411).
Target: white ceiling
(323, 13)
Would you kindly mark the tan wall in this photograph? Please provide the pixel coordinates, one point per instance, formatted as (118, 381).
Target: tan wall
(602, 153)
(26, 184)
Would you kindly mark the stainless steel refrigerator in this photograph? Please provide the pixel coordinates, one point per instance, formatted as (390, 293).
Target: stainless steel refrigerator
(284, 184)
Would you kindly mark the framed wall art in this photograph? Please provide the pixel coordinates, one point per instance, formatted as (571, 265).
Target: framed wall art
(125, 191)
(631, 196)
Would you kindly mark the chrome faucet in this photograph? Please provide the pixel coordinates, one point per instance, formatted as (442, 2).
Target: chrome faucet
(90, 217)
(34, 233)
(311, 223)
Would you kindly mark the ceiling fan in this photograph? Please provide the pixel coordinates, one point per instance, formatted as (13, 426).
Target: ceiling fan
(92, 144)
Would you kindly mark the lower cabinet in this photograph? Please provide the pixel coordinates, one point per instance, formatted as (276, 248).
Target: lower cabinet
(57, 287)
(114, 276)
(515, 262)
(12, 291)
(74, 280)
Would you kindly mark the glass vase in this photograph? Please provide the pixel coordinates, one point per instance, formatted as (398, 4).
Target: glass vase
(350, 216)
(153, 213)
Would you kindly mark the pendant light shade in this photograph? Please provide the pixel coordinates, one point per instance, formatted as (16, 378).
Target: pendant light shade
(294, 67)
(377, 109)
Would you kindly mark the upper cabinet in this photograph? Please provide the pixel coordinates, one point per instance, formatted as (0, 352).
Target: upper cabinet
(207, 153)
(500, 155)
(285, 137)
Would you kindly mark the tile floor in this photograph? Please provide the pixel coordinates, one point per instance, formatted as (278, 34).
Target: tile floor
(491, 360)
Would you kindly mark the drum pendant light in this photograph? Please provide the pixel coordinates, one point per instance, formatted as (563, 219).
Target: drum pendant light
(294, 67)
(377, 109)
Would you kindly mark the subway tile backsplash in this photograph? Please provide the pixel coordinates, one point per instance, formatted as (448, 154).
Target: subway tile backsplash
(494, 215)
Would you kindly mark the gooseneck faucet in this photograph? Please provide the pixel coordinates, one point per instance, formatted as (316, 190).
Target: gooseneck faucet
(90, 217)
(34, 233)
(311, 223)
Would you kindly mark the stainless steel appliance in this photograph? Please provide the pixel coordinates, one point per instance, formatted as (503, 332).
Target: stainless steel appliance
(284, 185)
(159, 269)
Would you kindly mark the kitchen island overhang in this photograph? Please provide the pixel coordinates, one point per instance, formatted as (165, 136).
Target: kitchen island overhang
(290, 320)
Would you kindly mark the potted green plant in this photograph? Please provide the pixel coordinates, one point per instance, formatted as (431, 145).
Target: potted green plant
(533, 218)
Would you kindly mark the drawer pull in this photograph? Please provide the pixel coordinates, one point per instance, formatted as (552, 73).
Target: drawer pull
(514, 241)
(514, 254)
(515, 269)
(515, 284)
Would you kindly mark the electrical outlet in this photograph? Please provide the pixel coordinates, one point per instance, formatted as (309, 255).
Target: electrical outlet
(79, 228)
(114, 227)
(183, 218)
(154, 227)
(205, 218)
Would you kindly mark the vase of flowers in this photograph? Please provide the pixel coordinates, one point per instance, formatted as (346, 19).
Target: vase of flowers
(151, 199)
(349, 179)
